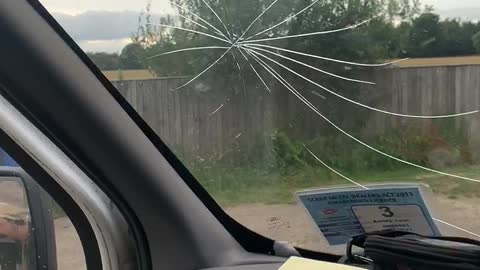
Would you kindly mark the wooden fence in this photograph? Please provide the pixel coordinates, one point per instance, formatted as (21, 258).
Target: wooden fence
(214, 124)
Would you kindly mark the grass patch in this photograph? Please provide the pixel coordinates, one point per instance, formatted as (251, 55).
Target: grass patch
(288, 166)
(248, 186)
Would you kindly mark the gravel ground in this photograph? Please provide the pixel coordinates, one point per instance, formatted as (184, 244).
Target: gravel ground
(69, 248)
(282, 222)
(290, 222)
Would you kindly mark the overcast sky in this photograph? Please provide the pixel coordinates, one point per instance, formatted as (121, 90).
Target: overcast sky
(76, 6)
(106, 25)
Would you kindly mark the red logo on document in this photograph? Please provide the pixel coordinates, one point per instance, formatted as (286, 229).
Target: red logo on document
(329, 211)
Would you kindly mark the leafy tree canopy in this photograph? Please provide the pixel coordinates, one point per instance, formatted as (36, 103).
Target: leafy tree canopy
(105, 61)
(396, 28)
(370, 41)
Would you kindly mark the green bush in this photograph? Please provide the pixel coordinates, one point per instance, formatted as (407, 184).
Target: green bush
(347, 155)
(283, 164)
(288, 155)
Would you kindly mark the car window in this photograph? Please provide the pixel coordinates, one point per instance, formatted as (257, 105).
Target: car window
(267, 100)
(35, 232)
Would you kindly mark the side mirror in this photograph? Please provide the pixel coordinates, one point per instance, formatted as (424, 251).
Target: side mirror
(27, 232)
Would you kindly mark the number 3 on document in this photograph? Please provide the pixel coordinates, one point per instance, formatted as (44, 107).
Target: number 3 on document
(408, 218)
(387, 212)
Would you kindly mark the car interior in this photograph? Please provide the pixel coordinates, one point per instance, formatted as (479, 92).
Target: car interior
(172, 221)
(132, 201)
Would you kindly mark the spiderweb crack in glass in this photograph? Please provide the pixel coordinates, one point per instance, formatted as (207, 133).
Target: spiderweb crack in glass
(284, 21)
(309, 34)
(192, 21)
(190, 30)
(219, 19)
(311, 106)
(216, 110)
(251, 47)
(205, 70)
(240, 74)
(326, 58)
(255, 71)
(198, 17)
(309, 66)
(295, 92)
(356, 102)
(187, 50)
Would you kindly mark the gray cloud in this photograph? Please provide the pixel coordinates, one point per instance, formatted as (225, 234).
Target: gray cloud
(101, 25)
(464, 9)
(468, 14)
(110, 25)
(111, 29)
(79, 6)
(451, 4)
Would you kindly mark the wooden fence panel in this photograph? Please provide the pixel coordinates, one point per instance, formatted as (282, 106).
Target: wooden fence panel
(248, 116)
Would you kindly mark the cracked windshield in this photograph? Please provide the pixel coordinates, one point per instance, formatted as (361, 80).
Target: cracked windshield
(308, 121)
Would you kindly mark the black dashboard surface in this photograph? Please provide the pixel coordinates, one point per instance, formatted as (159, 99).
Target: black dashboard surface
(274, 266)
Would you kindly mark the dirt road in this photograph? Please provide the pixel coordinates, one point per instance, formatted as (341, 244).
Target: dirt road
(70, 254)
(290, 222)
(281, 222)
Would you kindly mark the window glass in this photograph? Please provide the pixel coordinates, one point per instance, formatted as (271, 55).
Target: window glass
(33, 226)
(70, 253)
(15, 224)
(262, 99)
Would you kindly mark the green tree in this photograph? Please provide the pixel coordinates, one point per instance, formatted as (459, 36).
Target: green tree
(425, 36)
(132, 57)
(105, 61)
(372, 41)
(430, 37)
(457, 38)
(401, 39)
